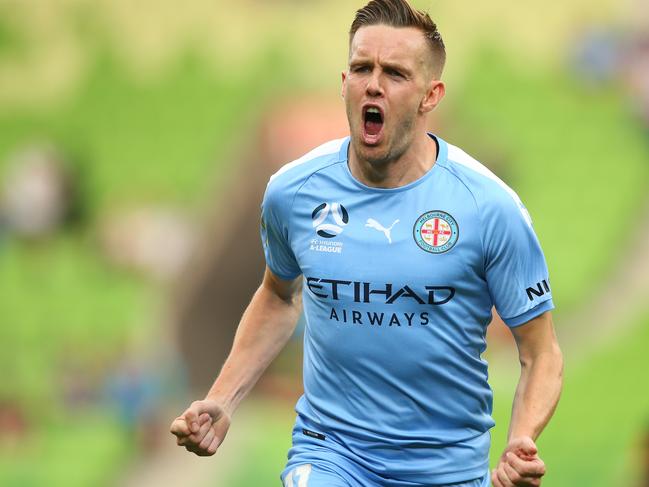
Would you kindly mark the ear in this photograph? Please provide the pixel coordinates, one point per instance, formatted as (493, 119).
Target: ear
(344, 79)
(434, 94)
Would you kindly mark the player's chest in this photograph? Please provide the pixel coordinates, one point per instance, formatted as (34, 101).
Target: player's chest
(400, 237)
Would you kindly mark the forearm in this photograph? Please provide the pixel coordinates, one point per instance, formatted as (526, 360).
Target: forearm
(265, 327)
(537, 393)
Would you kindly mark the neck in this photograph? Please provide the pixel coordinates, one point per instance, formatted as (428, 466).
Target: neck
(417, 160)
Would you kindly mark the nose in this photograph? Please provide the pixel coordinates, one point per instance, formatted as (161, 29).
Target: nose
(373, 87)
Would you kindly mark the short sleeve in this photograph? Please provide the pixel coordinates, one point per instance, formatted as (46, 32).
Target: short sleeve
(516, 270)
(274, 234)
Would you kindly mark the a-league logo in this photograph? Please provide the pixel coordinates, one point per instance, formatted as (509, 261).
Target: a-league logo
(340, 217)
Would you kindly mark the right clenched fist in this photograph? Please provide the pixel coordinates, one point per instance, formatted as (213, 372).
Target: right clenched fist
(202, 427)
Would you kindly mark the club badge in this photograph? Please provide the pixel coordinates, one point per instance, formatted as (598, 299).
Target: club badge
(436, 232)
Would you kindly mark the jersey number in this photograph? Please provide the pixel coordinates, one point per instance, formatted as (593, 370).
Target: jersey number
(301, 474)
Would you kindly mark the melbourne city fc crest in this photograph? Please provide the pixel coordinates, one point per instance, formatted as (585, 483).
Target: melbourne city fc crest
(436, 232)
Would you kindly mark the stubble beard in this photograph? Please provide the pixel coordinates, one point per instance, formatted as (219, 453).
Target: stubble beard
(397, 145)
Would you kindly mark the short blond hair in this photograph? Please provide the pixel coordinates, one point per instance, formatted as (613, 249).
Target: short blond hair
(399, 13)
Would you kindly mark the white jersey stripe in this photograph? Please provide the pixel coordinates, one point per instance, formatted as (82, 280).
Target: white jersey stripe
(330, 147)
(456, 154)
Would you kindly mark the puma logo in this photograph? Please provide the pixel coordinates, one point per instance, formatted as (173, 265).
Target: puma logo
(372, 223)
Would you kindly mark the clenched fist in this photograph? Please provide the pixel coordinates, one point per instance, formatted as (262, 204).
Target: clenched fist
(202, 427)
(519, 465)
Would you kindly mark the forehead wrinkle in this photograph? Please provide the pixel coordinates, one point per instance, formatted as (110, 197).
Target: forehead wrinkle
(385, 63)
(408, 51)
(386, 56)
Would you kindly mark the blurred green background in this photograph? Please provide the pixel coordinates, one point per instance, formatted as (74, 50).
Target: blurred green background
(121, 123)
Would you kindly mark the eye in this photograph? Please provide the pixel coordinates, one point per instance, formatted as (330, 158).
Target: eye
(360, 69)
(394, 73)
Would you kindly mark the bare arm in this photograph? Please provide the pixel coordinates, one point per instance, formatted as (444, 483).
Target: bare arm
(536, 398)
(264, 329)
(539, 386)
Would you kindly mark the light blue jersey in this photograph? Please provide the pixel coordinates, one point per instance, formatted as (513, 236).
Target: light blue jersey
(398, 289)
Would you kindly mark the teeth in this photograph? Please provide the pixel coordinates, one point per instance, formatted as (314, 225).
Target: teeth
(373, 110)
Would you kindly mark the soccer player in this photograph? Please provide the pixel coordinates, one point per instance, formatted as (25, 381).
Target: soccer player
(400, 244)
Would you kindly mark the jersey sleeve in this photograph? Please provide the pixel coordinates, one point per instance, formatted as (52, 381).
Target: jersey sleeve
(275, 209)
(515, 267)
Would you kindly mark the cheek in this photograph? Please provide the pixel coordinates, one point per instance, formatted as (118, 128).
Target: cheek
(410, 103)
(353, 87)
(405, 104)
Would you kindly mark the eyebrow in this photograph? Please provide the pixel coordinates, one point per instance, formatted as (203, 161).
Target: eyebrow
(385, 65)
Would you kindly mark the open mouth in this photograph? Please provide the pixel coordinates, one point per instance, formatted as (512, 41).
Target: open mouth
(372, 123)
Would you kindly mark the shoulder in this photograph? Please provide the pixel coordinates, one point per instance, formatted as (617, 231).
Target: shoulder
(492, 194)
(290, 177)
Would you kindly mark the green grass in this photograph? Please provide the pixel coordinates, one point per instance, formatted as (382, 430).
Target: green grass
(88, 449)
(575, 156)
(130, 143)
(268, 450)
(164, 140)
(61, 303)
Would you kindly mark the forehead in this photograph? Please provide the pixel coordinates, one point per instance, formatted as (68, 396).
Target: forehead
(391, 44)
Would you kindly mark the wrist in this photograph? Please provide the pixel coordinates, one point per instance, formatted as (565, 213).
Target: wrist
(225, 403)
(521, 433)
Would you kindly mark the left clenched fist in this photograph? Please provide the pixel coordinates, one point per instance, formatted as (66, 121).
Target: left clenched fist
(519, 465)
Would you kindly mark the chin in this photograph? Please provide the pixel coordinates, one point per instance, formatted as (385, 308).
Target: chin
(375, 155)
